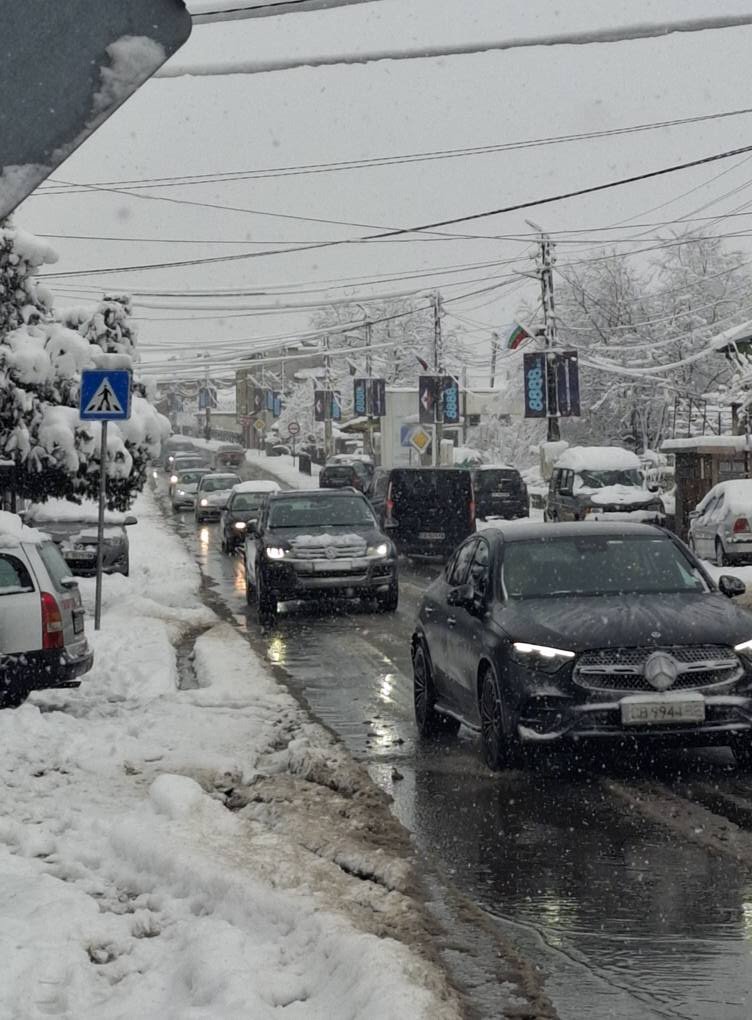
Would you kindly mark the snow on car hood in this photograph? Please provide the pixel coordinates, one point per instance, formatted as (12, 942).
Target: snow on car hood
(217, 498)
(618, 495)
(326, 538)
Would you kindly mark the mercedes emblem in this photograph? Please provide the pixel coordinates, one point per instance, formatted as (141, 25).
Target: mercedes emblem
(331, 552)
(660, 671)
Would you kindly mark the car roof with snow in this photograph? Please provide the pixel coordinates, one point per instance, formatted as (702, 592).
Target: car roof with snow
(598, 458)
(346, 490)
(738, 491)
(223, 476)
(519, 532)
(256, 485)
(59, 511)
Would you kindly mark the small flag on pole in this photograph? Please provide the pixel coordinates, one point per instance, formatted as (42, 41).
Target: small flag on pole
(517, 337)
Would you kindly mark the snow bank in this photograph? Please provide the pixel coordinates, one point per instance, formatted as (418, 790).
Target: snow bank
(13, 531)
(598, 458)
(62, 510)
(127, 887)
(285, 469)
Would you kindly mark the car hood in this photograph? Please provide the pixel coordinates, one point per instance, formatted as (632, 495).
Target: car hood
(626, 621)
(619, 495)
(187, 487)
(217, 498)
(316, 536)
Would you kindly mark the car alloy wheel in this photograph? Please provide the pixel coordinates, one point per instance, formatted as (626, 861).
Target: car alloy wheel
(429, 722)
(500, 748)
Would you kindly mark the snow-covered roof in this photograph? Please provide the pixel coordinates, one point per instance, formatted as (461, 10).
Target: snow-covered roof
(256, 485)
(738, 493)
(13, 531)
(709, 444)
(62, 510)
(598, 458)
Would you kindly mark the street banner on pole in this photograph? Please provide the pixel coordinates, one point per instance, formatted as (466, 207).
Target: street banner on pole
(450, 397)
(377, 398)
(360, 396)
(319, 405)
(335, 403)
(534, 376)
(276, 404)
(568, 384)
(428, 397)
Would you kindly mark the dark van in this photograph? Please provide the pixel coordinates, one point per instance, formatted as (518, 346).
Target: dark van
(425, 511)
(500, 492)
(341, 476)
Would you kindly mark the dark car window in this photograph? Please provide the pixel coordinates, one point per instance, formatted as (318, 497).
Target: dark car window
(502, 479)
(339, 472)
(217, 483)
(14, 577)
(188, 477)
(246, 501)
(597, 566)
(599, 479)
(53, 560)
(457, 570)
(380, 486)
(446, 487)
(343, 511)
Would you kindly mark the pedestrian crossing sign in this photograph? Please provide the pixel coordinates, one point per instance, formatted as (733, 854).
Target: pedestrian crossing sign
(105, 395)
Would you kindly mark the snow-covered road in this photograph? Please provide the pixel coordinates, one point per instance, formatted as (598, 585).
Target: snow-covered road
(178, 839)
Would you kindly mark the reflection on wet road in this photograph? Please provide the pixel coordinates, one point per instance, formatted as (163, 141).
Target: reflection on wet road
(626, 920)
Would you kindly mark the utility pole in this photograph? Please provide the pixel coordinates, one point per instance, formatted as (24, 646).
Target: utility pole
(495, 342)
(463, 383)
(545, 264)
(368, 446)
(438, 359)
(207, 398)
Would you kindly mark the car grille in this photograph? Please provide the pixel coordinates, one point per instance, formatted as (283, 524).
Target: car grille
(622, 669)
(329, 552)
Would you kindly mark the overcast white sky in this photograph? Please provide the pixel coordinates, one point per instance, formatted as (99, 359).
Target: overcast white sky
(205, 125)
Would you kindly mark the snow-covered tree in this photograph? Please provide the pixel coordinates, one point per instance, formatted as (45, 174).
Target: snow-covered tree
(41, 360)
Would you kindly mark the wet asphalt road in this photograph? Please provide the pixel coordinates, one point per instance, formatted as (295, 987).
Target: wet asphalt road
(626, 918)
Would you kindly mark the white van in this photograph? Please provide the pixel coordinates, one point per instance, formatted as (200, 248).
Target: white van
(598, 483)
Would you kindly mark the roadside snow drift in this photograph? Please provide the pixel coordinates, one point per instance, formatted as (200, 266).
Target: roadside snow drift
(204, 852)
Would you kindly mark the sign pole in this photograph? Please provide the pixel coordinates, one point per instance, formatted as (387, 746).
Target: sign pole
(100, 525)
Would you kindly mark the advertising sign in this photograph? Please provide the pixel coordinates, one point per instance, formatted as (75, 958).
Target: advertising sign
(534, 376)
(428, 395)
(568, 384)
(450, 397)
(377, 408)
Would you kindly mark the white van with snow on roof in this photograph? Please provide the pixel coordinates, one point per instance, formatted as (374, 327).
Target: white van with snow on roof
(600, 483)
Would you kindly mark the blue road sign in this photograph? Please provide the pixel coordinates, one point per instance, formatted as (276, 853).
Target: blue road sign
(105, 395)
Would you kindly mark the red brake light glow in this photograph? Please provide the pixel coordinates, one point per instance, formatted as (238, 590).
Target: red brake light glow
(52, 623)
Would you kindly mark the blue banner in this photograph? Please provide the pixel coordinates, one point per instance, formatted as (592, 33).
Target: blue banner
(534, 376)
(450, 397)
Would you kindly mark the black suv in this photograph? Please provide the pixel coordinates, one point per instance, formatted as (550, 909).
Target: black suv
(314, 544)
(426, 511)
(500, 492)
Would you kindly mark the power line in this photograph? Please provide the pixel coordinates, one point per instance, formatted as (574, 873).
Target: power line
(579, 192)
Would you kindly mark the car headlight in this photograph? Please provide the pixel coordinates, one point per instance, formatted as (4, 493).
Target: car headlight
(541, 657)
(240, 525)
(275, 552)
(173, 479)
(382, 549)
(745, 648)
(155, 474)
(181, 492)
(204, 501)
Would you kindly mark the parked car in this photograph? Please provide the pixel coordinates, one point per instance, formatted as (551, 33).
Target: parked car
(317, 544)
(243, 506)
(720, 528)
(73, 528)
(227, 456)
(598, 482)
(183, 492)
(499, 492)
(541, 634)
(340, 476)
(42, 640)
(425, 511)
(212, 494)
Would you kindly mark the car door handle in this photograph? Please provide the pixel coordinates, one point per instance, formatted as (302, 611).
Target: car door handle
(451, 621)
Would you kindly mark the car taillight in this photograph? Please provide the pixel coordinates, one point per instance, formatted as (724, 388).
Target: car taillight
(741, 524)
(389, 501)
(52, 623)
(471, 509)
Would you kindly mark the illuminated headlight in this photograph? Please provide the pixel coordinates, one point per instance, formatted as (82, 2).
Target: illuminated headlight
(378, 550)
(542, 657)
(240, 525)
(275, 552)
(173, 479)
(181, 492)
(204, 501)
(155, 474)
(745, 648)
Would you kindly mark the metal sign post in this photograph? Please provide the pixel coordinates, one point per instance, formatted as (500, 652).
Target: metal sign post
(105, 396)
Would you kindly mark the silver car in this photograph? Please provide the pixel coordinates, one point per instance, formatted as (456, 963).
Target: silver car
(720, 528)
(212, 495)
(183, 492)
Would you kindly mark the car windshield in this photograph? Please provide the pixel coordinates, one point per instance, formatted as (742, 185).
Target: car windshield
(316, 512)
(599, 565)
(488, 480)
(187, 477)
(599, 479)
(246, 501)
(219, 482)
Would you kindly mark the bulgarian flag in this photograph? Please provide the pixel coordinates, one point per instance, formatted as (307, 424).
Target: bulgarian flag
(517, 337)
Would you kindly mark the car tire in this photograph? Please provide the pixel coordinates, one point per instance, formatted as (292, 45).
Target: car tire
(721, 559)
(266, 600)
(389, 602)
(501, 746)
(429, 722)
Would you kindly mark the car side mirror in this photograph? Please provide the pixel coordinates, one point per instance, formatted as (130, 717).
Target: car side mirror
(693, 514)
(463, 597)
(731, 586)
(129, 520)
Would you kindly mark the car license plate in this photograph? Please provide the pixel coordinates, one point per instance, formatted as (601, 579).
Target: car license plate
(653, 710)
(431, 536)
(79, 556)
(499, 495)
